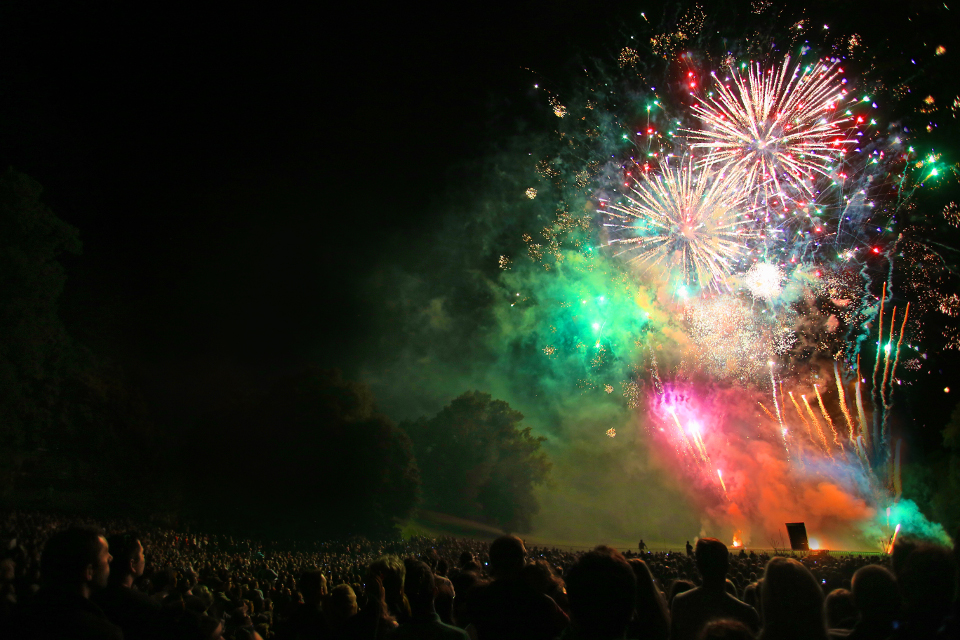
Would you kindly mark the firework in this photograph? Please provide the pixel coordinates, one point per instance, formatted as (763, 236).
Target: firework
(686, 220)
(753, 221)
(778, 129)
(764, 281)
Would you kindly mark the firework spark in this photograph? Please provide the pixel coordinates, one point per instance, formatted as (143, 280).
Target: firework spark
(686, 219)
(764, 281)
(778, 129)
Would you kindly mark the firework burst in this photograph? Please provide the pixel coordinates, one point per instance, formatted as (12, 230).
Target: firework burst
(687, 220)
(777, 129)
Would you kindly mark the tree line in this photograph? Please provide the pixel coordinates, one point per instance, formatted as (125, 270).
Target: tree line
(310, 457)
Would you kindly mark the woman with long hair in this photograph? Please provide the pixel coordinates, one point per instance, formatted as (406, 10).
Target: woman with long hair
(651, 618)
(792, 602)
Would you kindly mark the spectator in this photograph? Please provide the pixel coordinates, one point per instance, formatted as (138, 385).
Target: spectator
(926, 577)
(424, 624)
(308, 620)
(74, 564)
(339, 608)
(691, 611)
(726, 630)
(602, 592)
(678, 587)
(839, 610)
(164, 583)
(540, 577)
(134, 612)
(751, 596)
(792, 602)
(446, 596)
(464, 582)
(375, 618)
(877, 598)
(651, 618)
(507, 608)
(391, 571)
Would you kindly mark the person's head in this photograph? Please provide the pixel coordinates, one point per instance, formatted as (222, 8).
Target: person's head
(677, 587)
(443, 603)
(342, 603)
(540, 577)
(128, 559)
(751, 595)
(8, 569)
(712, 560)
(313, 586)
(507, 555)
(76, 558)
(601, 588)
(839, 609)
(391, 572)
(875, 593)
(926, 577)
(651, 609)
(725, 630)
(792, 601)
(165, 580)
(420, 587)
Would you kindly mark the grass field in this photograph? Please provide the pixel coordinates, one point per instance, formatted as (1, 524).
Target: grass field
(433, 524)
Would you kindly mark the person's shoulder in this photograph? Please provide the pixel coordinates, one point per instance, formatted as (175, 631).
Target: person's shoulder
(131, 597)
(744, 611)
(432, 630)
(737, 603)
(687, 597)
(450, 632)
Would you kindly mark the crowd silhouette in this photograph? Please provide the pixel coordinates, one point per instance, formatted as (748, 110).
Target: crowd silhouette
(74, 578)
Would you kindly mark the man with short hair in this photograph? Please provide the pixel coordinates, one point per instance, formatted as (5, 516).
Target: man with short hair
(508, 608)
(134, 612)
(692, 610)
(421, 590)
(74, 563)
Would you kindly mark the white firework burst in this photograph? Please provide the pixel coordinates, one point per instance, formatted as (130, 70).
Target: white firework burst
(764, 280)
(778, 129)
(686, 220)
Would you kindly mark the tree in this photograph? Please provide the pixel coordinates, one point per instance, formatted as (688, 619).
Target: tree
(476, 462)
(34, 346)
(940, 480)
(72, 430)
(311, 458)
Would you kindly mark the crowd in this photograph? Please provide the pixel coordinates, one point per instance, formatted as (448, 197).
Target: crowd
(70, 578)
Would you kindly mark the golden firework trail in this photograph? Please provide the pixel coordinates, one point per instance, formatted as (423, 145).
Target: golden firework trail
(802, 418)
(843, 402)
(813, 418)
(826, 416)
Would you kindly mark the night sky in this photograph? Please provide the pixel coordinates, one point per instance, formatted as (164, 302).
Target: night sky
(252, 184)
(236, 172)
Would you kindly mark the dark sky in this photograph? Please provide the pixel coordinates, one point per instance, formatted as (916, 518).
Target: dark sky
(236, 169)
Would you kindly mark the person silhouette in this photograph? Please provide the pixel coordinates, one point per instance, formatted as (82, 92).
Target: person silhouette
(642, 546)
(689, 549)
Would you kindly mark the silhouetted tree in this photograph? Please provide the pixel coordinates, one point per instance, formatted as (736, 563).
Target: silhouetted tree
(477, 462)
(70, 425)
(34, 347)
(311, 458)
